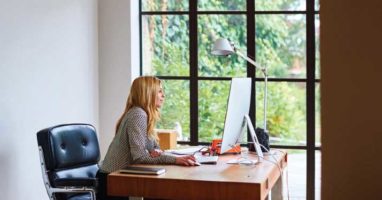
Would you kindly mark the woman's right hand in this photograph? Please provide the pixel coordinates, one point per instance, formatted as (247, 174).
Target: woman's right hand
(188, 160)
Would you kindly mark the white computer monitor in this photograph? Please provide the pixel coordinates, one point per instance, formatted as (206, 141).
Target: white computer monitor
(237, 119)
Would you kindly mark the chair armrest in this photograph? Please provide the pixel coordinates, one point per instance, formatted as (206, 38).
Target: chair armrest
(76, 182)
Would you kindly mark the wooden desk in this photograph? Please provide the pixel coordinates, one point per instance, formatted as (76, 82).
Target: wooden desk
(221, 181)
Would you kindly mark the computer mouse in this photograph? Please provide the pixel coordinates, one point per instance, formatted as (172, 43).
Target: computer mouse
(193, 162)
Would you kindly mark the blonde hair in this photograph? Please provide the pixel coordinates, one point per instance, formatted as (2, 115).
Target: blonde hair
(143, 93)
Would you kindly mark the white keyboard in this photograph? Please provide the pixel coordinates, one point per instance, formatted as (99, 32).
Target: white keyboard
(207, 159)
(185, 151)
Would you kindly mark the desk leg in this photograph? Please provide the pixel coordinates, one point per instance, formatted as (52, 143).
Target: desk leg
(277, 192)
(135, 198)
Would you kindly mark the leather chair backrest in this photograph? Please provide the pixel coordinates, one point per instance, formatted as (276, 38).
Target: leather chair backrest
(70, 150)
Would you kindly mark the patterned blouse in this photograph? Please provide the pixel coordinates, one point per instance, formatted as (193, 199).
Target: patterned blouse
(131, 144)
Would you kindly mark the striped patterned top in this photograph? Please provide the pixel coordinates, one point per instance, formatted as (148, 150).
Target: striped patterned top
(131, 144)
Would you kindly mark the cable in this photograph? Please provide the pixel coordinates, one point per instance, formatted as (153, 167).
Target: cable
(287, 181)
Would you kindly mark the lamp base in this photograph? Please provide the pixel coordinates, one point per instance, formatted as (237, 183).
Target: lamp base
(263, 138)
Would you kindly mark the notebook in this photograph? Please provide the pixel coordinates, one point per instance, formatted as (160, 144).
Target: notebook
(142, 170)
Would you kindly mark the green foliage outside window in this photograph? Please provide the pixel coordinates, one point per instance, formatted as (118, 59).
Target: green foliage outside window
(177, 105)
(213, 98)
(212, 27)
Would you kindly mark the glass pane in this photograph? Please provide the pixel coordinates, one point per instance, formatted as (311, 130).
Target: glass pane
(318, 114)
(176, 107)
(165, 5)
(317, 184)
(286, 112)
(297, 174)
(317, 5)
(281, 45)
(222, 5)
(212, 27)
(165, 48)
(280, 5)
(213, 98)
(318, 54)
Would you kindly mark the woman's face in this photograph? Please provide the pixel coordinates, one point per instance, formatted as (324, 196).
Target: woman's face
(160, 97)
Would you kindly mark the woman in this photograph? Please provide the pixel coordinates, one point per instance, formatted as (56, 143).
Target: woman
(135, 141)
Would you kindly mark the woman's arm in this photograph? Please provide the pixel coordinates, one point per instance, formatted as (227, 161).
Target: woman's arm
(137, 134)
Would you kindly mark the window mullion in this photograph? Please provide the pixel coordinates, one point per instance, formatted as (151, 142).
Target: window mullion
(194, 136)
(310, 93)
(251, 72)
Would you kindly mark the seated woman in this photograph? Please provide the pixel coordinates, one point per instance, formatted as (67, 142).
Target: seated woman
(135, 141)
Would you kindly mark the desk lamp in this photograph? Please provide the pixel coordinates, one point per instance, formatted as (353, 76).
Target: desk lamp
(222, 47)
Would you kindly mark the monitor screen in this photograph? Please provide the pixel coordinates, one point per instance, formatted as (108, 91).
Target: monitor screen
(239, 102)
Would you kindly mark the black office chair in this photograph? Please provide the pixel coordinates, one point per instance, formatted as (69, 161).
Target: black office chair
(69, 156)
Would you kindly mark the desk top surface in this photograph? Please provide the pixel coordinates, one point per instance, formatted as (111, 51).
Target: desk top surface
(230, 178)
(222, 171)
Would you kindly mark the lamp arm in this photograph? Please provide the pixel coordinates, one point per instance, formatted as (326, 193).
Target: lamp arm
(265, 73)
(254, 63)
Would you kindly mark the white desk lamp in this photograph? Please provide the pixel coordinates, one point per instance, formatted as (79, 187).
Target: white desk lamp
(222, 47)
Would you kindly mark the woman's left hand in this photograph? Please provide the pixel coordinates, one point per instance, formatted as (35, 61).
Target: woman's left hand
(155, 153)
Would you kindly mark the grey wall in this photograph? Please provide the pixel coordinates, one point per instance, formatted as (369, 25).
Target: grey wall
(351, 99)
(48, 76)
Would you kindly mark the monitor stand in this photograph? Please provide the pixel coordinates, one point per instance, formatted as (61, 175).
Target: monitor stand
(259, 152)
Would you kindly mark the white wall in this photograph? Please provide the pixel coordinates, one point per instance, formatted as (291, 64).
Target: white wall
(48, 76)
(118, 61)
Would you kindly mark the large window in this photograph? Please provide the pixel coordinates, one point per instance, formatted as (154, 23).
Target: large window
(283, 35)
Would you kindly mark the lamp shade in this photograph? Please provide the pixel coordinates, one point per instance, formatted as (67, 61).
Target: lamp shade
(222, 47)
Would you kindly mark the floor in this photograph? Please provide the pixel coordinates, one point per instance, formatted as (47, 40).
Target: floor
(297, 175)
